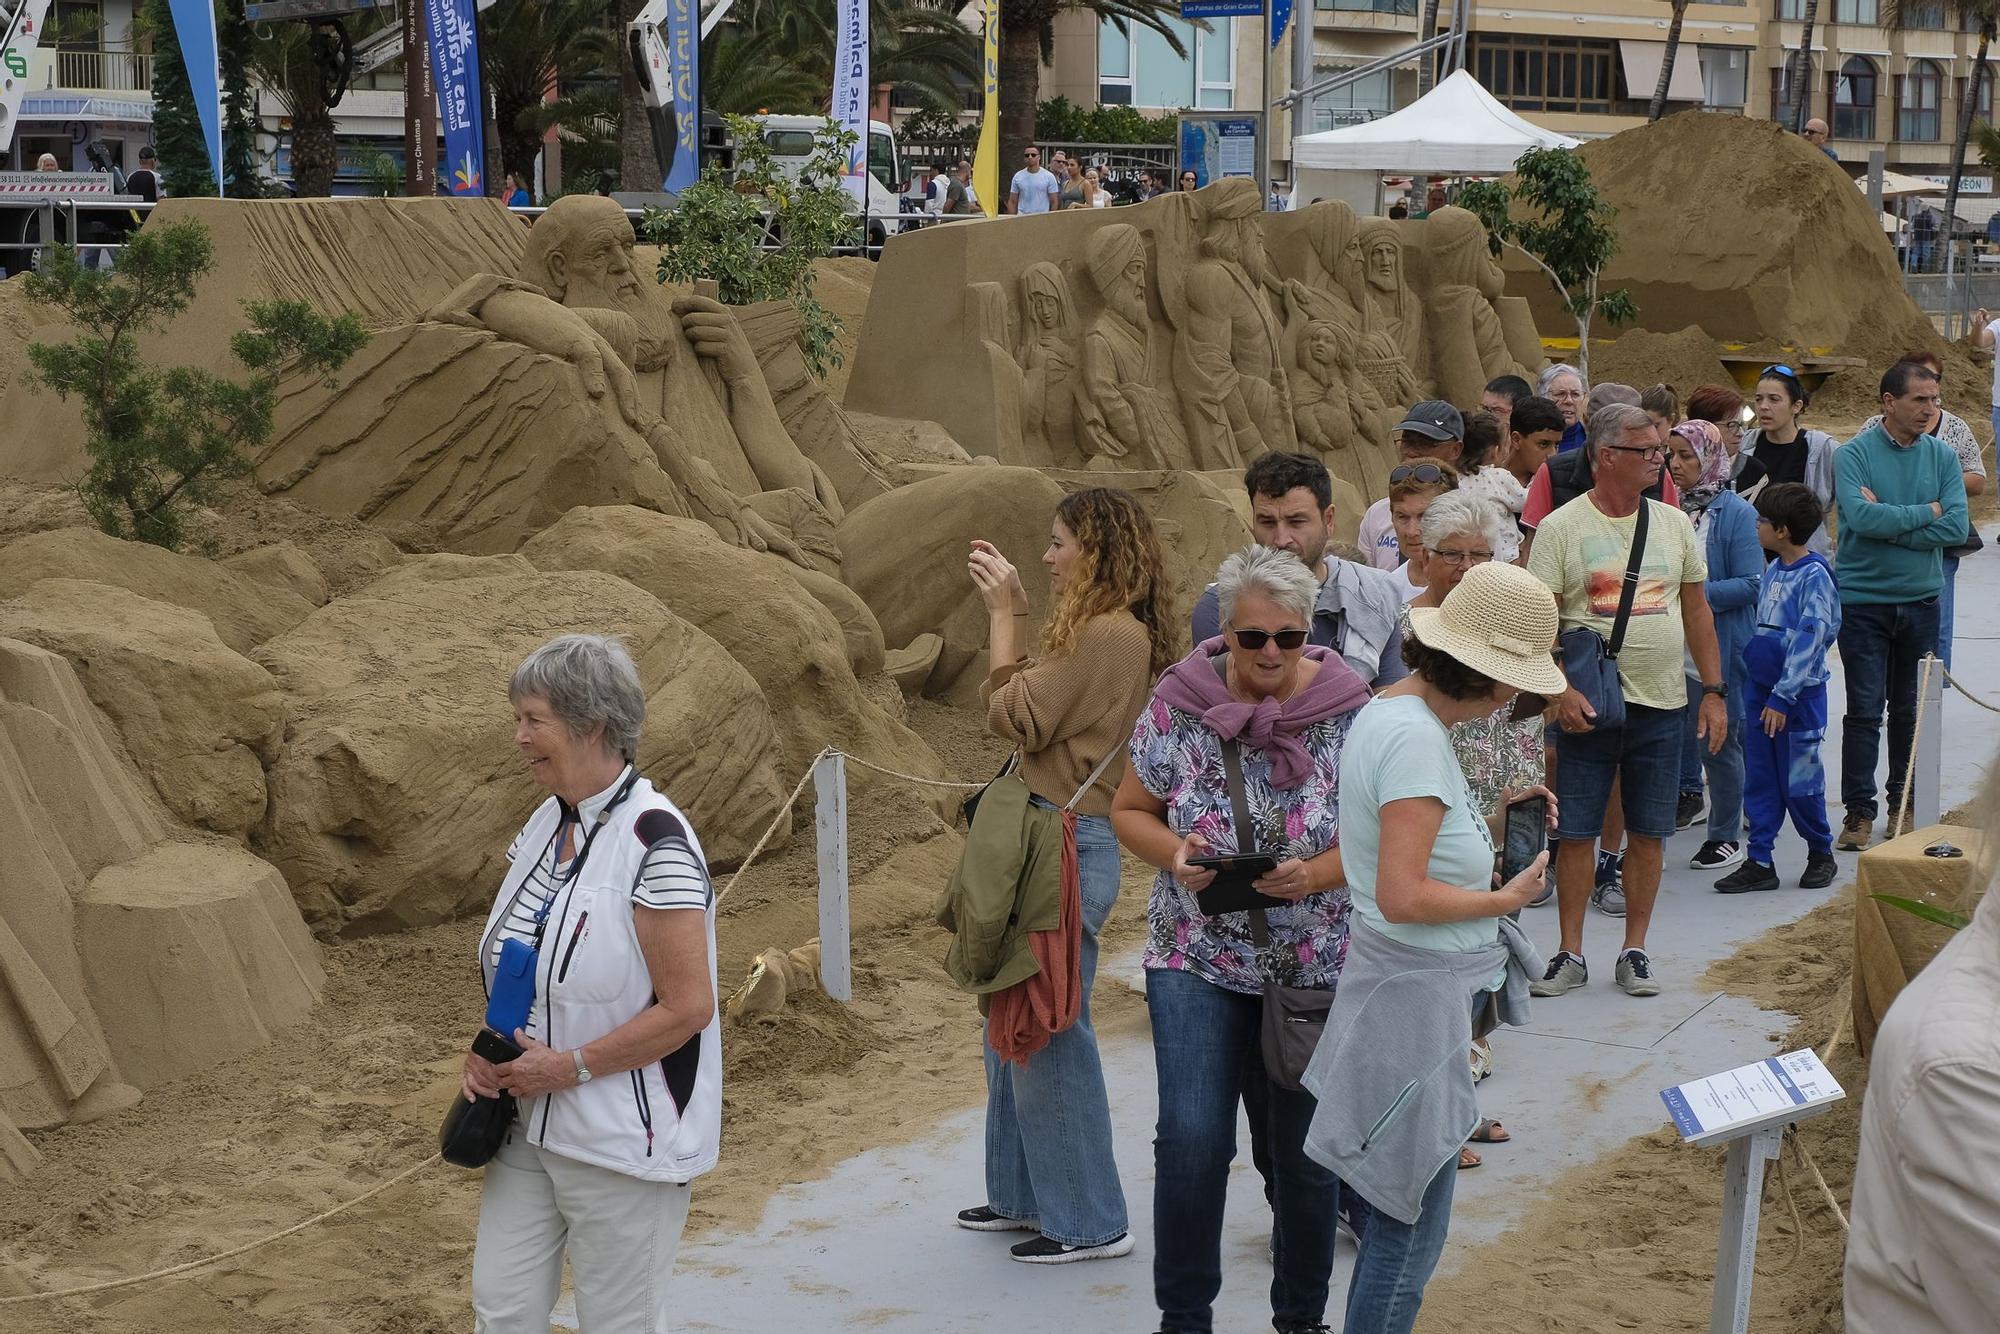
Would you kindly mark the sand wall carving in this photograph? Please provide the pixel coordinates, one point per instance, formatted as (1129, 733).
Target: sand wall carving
(1193, 331)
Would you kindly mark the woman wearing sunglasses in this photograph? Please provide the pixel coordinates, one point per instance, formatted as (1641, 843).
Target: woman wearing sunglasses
(1786, 450)
(1283, 707)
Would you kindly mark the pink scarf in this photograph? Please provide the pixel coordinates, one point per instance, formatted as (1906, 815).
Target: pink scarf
(1192, 685)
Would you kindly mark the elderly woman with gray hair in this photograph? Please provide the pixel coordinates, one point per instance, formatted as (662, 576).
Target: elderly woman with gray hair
(1257, 699)
(606, 909)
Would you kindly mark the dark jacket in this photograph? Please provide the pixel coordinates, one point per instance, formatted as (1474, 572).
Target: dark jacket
(1570, 476)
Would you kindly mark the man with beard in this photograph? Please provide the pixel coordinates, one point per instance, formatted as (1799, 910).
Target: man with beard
(1227, 360)
(1122, 415)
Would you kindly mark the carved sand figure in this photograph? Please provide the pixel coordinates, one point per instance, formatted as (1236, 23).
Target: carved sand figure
(1123, 419)
(1392, 354)
(1320, 400)
(1047, 359)
(1228, 364)
(1469, 342)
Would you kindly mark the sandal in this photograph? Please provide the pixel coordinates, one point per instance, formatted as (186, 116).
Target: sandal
(1489, 1131)
(1482, 1061)
(1467, 1159)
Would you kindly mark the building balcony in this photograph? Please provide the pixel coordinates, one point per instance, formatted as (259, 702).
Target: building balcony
(92, 70)
(1365, 15)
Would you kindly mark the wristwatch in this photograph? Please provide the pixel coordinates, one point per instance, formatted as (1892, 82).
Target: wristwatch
(1708, 689)
(582, 1070)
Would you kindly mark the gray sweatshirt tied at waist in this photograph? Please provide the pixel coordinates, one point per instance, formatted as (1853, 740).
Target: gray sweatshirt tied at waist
(1394, 1087)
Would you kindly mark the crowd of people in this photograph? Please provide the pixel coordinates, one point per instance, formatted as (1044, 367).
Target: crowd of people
(1596, 598)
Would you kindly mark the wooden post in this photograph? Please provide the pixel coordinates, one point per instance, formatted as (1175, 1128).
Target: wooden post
(1736, 1253)
(1927, 759)
(830, 828)
(420, 125)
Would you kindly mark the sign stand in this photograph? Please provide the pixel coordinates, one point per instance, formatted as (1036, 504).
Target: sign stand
(1747, 1109)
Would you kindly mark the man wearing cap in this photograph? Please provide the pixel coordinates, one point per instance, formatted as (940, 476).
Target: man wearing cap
(1434, 430)
(1582, 552)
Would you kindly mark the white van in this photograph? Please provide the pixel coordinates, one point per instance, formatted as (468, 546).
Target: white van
(790, 140)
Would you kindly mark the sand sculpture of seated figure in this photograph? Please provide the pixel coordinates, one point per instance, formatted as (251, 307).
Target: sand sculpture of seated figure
(1468, 341)
(1123, 419)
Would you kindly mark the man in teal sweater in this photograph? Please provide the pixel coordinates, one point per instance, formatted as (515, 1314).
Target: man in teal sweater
(1901, 501)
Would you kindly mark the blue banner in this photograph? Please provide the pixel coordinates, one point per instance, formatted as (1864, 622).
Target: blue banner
(1281, 10)
(683, 37)
(454, 47)
(194, 28)
(850, 92)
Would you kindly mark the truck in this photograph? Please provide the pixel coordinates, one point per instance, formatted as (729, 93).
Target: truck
(790, 140)
(20, 34)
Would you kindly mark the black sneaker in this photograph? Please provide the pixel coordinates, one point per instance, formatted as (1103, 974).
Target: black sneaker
(1691, 807)
(1750, 875)
(1308, 1327)
(1042, 1251)
(1716, 855)
(1820, 871)
(984, 1219)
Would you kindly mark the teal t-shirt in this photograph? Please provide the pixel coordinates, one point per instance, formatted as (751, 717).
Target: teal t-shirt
(1397, 748)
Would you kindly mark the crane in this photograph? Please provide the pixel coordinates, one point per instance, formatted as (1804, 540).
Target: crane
(20, 34)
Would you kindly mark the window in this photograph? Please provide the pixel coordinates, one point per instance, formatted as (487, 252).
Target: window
(1725, 76)
(1924, 14)
(1364, 99)
(1215, 63)
(1917, 116)
(1792, 11)
(1854, 99)
(1854, 11)
(1406, 8)
(1534, 73)
(1114, 66)
(1781, 90)
(1985, 108)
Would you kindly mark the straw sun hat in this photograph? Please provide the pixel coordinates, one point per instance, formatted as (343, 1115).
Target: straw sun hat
(1500, 621)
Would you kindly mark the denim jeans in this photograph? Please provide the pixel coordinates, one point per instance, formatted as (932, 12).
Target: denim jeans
(1397, 1259)
(1880, 647)
(1945, 601)
(1202, 1037)
(1724, 769)
(1048, 1123)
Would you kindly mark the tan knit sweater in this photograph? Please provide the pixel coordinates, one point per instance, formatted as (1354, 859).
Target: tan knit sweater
(1067, 713)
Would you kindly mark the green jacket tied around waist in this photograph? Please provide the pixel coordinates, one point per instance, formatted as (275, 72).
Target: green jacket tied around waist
(1008, 885)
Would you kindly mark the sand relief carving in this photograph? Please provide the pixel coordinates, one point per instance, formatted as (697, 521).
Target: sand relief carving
(1123, 419)
(1047, 359)
(1470, 344)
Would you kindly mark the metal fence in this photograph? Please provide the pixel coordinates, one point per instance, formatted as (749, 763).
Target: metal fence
(1950, 298)
(1122, 161)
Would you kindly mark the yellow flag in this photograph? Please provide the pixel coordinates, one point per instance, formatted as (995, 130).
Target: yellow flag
(986, 162)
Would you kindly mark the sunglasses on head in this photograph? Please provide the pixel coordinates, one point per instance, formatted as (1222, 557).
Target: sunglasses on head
(1781, 369)
(1253, 640)
(1415, 472)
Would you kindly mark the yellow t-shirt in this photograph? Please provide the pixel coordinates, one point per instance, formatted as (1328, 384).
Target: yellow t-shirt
(1581, 555)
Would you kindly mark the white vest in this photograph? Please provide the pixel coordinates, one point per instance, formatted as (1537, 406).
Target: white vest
(663, 1121)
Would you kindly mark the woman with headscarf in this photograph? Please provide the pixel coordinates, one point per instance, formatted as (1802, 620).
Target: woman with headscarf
(1728, 525)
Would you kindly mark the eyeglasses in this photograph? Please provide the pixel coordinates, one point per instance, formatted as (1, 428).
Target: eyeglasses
(1650, 451)
(1415, 472)
(1458, 558)
(1253, 640)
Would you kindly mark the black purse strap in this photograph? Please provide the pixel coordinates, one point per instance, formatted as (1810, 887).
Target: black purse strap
(1246, 832)
(1630, 589)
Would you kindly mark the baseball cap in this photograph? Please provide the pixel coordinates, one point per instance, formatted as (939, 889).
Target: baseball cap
(1434, 418)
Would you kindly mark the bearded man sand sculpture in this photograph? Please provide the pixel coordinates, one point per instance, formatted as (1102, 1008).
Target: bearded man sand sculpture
(1123, 421)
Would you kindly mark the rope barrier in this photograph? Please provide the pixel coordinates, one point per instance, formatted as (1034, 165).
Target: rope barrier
(231, 1254)
(1901, 819)
(1959, 686)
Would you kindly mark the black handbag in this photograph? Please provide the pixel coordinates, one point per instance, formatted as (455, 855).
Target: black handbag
(472, 1131)
(1294, 1017)
(1590, 663)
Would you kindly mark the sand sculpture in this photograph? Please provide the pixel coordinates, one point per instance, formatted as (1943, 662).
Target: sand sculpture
(1193, 331)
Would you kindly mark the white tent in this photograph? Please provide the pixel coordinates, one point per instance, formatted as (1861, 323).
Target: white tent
(1456, 129)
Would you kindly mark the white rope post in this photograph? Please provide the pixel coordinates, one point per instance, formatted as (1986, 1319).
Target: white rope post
(1927, 751)
(830, 829)
(1736, 1253)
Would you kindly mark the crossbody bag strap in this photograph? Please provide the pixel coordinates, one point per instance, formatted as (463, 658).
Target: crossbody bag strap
(1095, 774)
(1246, 832)
(1630, 588)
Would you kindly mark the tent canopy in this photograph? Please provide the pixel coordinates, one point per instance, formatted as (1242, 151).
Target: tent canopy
(1456, 129)
(1896, 185)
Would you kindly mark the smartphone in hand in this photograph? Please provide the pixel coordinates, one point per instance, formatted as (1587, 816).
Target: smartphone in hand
(1527, 833)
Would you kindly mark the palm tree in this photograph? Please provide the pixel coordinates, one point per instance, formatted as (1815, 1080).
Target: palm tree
(919, 46)
(1027, 42)
(295, 60)
(743, 72)
(1802, 72)
(527, 47)
(1659, 107)
(1428, 62)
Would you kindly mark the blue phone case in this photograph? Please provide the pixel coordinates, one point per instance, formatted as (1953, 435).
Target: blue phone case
(513, 992)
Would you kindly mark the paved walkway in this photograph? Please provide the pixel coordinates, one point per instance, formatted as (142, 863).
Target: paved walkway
(872, 1246)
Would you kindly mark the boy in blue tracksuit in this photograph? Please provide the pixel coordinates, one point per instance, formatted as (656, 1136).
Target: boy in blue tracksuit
(1798, 619)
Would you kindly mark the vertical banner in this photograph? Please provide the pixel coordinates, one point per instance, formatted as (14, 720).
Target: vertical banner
(194, 27)
(454, 44)
(1281, 10)
(850, 93)
(684, 40)
(986, 164)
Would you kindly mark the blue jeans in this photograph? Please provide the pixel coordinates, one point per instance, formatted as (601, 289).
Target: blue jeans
(1397, 1258)
(1644, 754)
(1048, 1123)
(1880, 647)
(1202, 1037)
(1724, 769)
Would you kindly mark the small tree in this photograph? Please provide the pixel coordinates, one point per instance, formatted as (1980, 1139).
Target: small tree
(756, 236)
(161, 438)
(1565, 230)
(176, 124)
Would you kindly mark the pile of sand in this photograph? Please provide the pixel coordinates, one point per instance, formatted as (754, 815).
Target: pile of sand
(1643, 358)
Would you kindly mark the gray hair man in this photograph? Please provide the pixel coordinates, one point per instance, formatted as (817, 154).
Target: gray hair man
(1582, 552)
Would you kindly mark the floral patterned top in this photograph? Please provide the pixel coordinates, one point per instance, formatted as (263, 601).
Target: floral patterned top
(1179, 760)
(1495, 753)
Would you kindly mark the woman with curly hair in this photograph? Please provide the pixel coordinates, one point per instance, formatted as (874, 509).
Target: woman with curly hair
(1049, 1164)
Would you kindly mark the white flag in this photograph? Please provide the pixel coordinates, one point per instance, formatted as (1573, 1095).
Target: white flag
(850, 92)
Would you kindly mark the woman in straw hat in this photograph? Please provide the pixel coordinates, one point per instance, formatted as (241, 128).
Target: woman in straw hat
(1431, 939)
